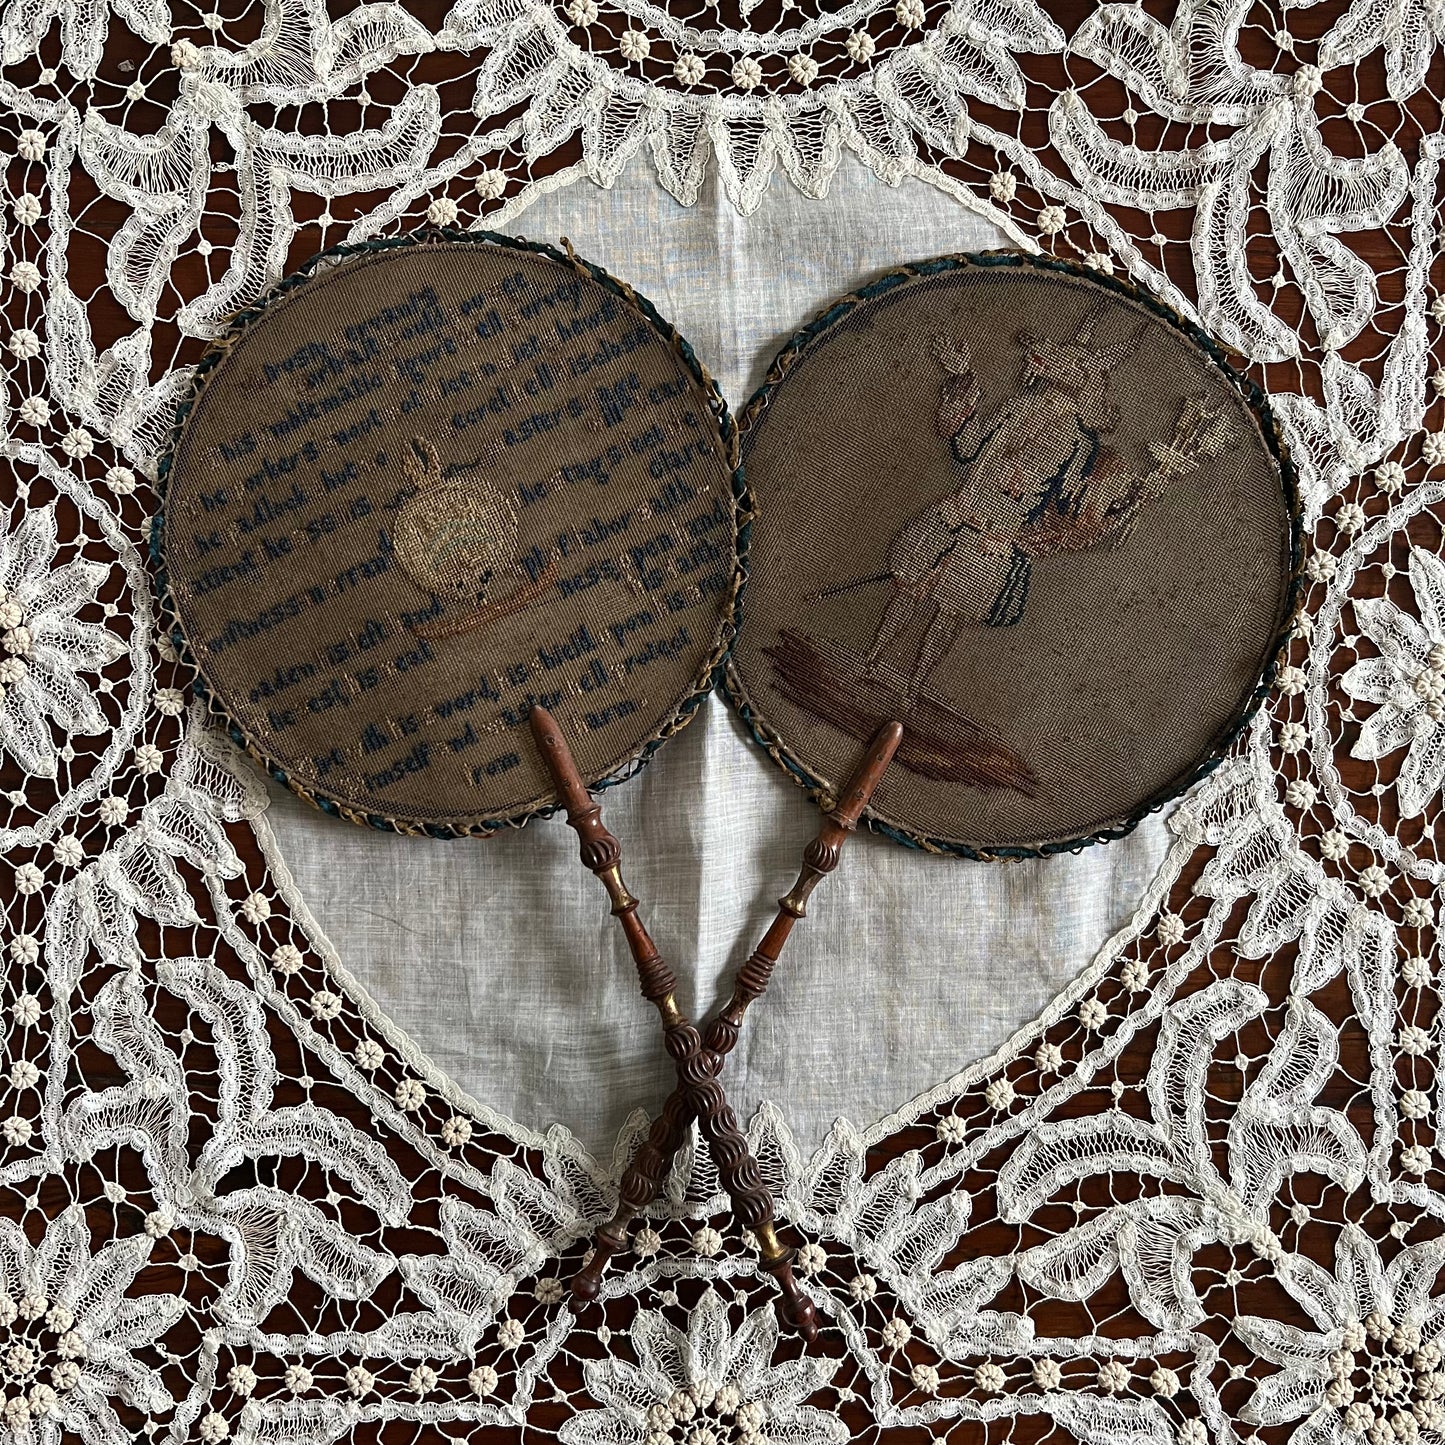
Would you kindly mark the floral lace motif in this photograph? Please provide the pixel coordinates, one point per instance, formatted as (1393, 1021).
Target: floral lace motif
(236, 1203)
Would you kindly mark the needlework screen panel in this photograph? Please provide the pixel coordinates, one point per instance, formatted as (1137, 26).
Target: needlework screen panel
(1028, 514)
(429, 485)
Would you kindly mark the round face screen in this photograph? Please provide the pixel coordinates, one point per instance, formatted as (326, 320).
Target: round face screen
(430, 484)
(1026, 512)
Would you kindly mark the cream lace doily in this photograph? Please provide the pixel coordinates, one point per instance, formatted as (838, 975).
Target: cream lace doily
(1199, 1200)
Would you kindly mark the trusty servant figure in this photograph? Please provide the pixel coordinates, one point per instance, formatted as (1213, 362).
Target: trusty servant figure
(1036, 480)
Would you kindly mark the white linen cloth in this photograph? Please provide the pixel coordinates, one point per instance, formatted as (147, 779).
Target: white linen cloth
(499, 958)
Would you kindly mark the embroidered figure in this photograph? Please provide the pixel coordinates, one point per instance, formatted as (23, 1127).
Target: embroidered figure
(1037, 480)
(453, 536)
(1026, 512)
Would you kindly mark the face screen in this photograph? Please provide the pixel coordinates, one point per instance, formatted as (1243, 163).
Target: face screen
(429, 486)
(1031, 517)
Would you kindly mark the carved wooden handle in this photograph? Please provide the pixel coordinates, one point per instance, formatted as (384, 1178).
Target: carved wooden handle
(700, 1095)
(641, 1183)
(648, 1168)
(820, 858)
(602, 854)
(743, 1180)
(646, 1171)
(738, 1170)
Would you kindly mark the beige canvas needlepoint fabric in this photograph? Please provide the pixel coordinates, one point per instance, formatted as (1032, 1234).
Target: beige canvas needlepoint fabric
(430, 484)
(498, 958)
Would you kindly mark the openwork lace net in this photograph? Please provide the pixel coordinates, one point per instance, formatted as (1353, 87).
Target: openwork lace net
(1199, 1200)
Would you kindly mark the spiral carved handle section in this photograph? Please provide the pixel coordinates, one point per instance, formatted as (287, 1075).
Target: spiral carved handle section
(698, 1095)
(640, 1186)
(647, 1169)
(697, 1069)
(699, 1060)
(739, 1171)
(719, 1125)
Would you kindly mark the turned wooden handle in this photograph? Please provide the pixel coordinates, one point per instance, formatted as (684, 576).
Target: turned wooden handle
(751, 1201)
(641, 1183)
(699, 1095)
(698, 1072)
(648, 1168)
(701, 1091)
(860, 788)
(821, 856)
(699, 1061)
(602, 854)
(736, 1167)
(646, 1171)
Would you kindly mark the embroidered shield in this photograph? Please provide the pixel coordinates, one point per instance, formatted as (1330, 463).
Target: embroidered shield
(1030, 513)
(428, 484)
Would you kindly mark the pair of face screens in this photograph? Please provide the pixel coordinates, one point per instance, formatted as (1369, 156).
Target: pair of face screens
(1016, 505)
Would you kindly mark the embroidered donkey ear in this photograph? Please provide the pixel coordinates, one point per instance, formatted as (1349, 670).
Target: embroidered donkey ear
(1114, 355)
(959, 395)
(1024, 590)
(1084, 336)
(953, 355)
